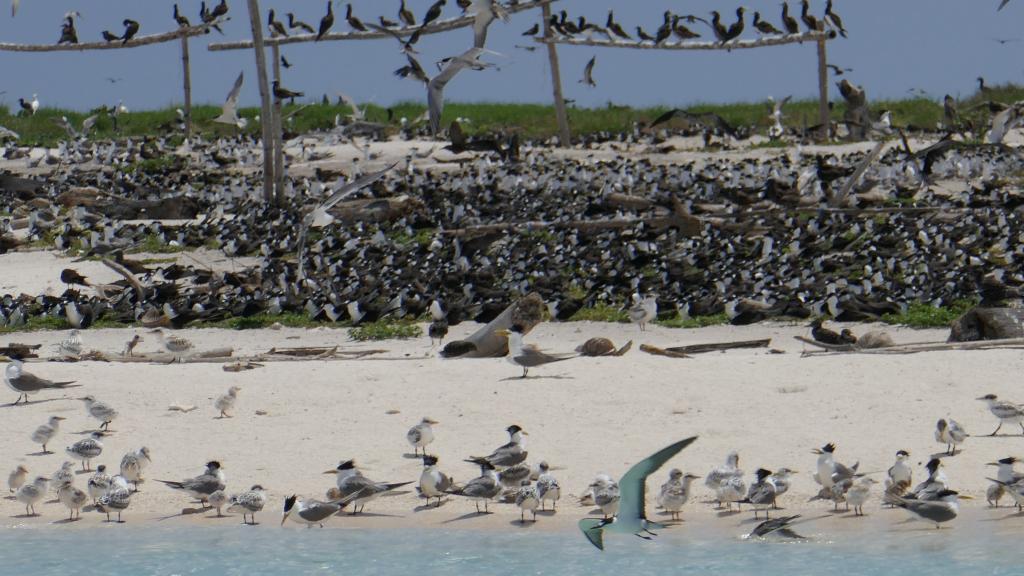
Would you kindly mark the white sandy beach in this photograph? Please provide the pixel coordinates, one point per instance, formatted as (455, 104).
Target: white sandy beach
(584, 416)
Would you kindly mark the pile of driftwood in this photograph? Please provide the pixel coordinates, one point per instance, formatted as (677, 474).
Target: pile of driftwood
(911, 347)
(218, 356)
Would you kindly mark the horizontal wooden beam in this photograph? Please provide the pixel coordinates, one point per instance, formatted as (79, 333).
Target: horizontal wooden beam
(433, 28)
(775, 40)
(197, 30)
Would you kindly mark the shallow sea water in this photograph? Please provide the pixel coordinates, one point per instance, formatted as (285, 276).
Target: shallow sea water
(187, 550)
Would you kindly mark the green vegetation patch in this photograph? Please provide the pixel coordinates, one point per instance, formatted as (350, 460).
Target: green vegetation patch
(921, 315)
(386, 330)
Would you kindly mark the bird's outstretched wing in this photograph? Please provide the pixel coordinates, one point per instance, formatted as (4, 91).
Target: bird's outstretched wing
(593, 529)
(633, 485)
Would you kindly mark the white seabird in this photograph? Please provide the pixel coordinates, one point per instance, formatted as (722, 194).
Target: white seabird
(421, 435)
(248, 503)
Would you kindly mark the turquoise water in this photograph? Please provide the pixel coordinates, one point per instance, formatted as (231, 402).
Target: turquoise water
(272, 550)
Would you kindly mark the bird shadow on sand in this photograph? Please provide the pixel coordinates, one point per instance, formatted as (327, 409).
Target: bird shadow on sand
(521, 378)
(221, 517)
(520, 524)
(367, 515)
(30, 402)
(727, 513)
(80, 472)
(1011, 516)
(47, 453)
(88, 432)
(184, 512)
(941, 455)
(425, 507)
(10, 498)
(999, 436)
(66, 521)
(548, 513)
(411, 456)
(26, 516)
(468, 516)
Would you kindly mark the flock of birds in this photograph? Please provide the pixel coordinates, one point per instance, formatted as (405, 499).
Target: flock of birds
(506, 476)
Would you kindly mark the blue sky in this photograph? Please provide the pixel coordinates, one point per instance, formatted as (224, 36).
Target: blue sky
(939, 46)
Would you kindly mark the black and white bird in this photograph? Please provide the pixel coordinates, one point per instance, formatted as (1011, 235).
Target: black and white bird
(761, 494)
(351, 482)
(86, 449)
(433, 482)
(483, 488)
(528, 356)
(98, 483)
(116, 499)
(942, 509)
(248, 503)
(548, 489)
(588, 73)
(900, 475)
(229, 110)
(510, 454)
(435, 87)
(311, 511)
(676, 492)
(527, 500)
(200, 487)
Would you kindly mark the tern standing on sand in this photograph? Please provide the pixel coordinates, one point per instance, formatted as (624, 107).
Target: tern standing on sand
(950, 433)
(133, 464)
(46, 432)
(352, 483)
(509, 454)
(24, 384)
(29, 494)
(1007, 412)
(86, 449)
(248, 503)
(527, 356)
(225, 403)
(73, 498)
(900, 475)
(944, 508)
(16, 479)
(99, 483)
(421, 435)
(116, 499)
(676, 492)
(483, 488)
(527, 500)
(644, 310)
(100, 411)
(203, 485)
(175, 345)
(547, 487)
(433, 482)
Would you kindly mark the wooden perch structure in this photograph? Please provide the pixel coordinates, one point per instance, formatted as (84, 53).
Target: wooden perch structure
(818, 39)
(721, 346)
(779, 40)
(197, 30)
(435, 27)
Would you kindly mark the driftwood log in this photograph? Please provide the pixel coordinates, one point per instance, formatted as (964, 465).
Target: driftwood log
(172, 208)
(527, 312)
(375, 209)
(988, 324)
(720, 346)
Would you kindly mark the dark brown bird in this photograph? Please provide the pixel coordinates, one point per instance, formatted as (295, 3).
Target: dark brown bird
(824, 335)
(434, 12)
(665, 30)
(293, 24)
(834, 19)
(763, 26)
(736, 29)
(644, 35)
(219, 10)
(353, 21)
(812, 23)
(615, 28)
(276, 28)
(406, 15)
(532, 31)
(790, 23)
(180, 19)
(682, 31)
(110, 36)
(282, 93)
(131, 28)
(326, 22)
(72, 277)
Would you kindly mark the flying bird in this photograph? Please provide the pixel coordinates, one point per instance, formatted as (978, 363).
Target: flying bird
(229, 111)
(632, 516)
(588, 73)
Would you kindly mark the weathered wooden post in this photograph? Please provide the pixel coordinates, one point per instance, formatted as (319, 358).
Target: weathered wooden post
(278, 132)
(186, 70)
(266, 114)
(823, 112)
(564, 136)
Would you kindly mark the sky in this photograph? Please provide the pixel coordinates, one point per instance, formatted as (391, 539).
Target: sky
(894, 47)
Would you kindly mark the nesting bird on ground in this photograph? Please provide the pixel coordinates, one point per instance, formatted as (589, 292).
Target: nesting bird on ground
(950, 433)
(200, 487)
(547, 487)
(73, 498)
(421, 435)
(643, 310)
(433, 482)
(225, 403)
(100, 411)
(1006, 412)
(248, 503)
(45, 432)
(351, 482)
(900, 475)
(30, 494)
(86, 449)
(16, 479)
(676, 492)
(824, 335)
(98, 483)
(133, 464)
